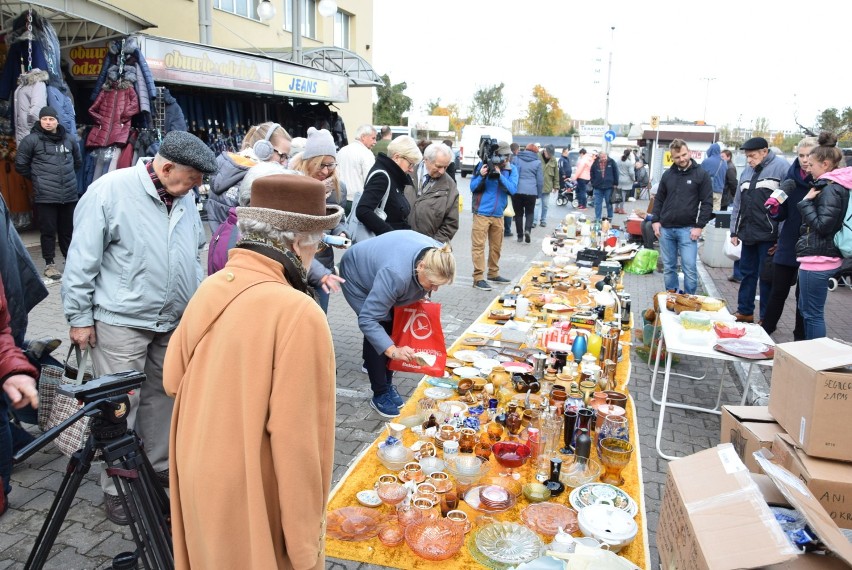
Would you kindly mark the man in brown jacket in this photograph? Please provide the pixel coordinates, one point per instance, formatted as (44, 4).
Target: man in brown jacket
(434, 198)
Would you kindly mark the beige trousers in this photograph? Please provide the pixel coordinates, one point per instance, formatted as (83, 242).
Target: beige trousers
(490, 228)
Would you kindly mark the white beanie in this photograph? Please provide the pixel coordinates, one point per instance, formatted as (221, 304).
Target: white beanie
(320, 143)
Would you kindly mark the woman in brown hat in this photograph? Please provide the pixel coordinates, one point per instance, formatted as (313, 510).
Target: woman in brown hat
(252, 369)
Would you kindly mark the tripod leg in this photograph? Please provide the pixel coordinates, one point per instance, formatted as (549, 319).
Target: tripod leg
(78, 466)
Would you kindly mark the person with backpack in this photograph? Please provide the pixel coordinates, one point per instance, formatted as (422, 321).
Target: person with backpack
(823, 211)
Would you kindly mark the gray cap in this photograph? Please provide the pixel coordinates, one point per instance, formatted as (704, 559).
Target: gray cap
(503, 148)
(550, 150)
(755, 143)
(187, 149)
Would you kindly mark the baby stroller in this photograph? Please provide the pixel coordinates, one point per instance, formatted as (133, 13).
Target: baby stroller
(843, 277)
(566, 194)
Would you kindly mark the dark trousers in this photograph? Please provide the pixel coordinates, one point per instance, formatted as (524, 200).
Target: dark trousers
(507, 225)
(524, 206)
(783, 279)
(55, 219)
(377, 364)
(751, 261)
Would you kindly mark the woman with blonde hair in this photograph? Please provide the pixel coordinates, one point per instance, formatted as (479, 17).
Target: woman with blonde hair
(266, 142)
(385, 185)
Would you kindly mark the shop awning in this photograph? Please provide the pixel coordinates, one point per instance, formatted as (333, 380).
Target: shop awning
(339, 61)
(77, 22)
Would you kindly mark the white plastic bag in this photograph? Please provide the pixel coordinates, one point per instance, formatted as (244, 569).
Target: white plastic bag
(732, 251)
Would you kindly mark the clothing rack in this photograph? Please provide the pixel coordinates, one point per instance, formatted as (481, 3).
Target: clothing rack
(158, 112)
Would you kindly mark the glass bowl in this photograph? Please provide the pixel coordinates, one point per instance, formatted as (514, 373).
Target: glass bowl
(467, 469)
(536, 492)
(509, 543)
(434, 539)
(392, 534)
(392, 458)
(572, 475)
(548, 518)
(354, 523)
(432, 465)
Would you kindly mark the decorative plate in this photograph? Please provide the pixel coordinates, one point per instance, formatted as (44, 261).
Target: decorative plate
(509, 543)
(474, 340)
(354, 523)
(466, 372)
(484, 329)
(438, 393)
(454, 363)
(484, 364)
(473, 499)
(520, 367)
(450, 383)
(368, 498)
(547, 518)
(744, 348)
(467, 355)
(593, 493)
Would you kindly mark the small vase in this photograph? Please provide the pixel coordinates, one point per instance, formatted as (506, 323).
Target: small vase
(587, 388)
(499, 377)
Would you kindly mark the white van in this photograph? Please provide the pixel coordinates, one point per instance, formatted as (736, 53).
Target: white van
(469, 146)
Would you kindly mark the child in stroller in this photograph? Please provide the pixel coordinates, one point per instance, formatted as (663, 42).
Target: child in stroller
(843, 277)
(566, 194)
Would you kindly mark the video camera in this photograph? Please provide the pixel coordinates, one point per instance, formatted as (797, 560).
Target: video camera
(489, 156)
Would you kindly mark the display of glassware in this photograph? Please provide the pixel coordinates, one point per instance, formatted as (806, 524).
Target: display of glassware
(509, 543)
(510, 454)
(615, 455)
(579, 471)
(434, 539)
(614, 426)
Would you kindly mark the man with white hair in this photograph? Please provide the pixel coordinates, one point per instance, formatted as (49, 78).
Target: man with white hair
(355, 160)
(434, 197)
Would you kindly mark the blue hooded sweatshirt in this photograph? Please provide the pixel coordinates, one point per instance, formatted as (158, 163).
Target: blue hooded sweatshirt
(715, 167)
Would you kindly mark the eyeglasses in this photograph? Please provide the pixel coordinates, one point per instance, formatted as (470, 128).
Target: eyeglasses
(410, 162)
(330, 166)
(282, 156)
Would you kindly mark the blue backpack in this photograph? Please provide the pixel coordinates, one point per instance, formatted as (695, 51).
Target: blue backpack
(843, 237)
(223, 239)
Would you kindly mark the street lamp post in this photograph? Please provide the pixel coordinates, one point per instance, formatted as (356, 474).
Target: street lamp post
(706, 96)
(608, 80)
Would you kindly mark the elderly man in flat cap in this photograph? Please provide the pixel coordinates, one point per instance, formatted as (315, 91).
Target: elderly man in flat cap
(133, 265)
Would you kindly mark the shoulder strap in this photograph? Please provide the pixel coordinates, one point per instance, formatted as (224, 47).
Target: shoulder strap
(387, 192)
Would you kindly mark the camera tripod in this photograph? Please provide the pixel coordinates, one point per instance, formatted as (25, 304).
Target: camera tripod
(143, 498)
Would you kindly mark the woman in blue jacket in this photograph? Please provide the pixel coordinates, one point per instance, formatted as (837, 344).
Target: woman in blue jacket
(530, 184)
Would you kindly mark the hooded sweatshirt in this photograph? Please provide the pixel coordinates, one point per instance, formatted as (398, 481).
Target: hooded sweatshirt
(715, 167)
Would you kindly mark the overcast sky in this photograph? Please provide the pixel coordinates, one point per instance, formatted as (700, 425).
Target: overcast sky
(765, 59)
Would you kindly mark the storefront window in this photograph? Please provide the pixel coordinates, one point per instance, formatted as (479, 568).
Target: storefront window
(244, 8)
(309, 17)
(341, 29)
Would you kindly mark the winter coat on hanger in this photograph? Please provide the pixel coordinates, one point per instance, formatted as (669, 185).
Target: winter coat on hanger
(112, 111)
(131, 48)
(59, 99)
(30, 97)
(175, 120)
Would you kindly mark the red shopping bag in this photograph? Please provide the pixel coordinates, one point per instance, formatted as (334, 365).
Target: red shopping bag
(419, 326)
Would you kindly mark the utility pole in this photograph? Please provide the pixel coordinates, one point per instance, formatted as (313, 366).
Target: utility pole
(706, 95)
(608, 84)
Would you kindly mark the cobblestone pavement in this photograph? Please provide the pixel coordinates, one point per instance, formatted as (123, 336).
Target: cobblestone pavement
(88, 540)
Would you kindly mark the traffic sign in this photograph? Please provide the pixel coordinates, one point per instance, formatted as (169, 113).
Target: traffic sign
(655, 122)
(609, 136)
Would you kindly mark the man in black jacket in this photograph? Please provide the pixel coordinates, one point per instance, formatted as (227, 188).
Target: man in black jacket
(730, 179)
(604, 176)
(682, 208)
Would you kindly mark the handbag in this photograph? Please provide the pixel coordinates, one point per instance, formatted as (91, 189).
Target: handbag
(509, 212)
(74, 436)
(418, 325)
(354, 228)
(48, 380)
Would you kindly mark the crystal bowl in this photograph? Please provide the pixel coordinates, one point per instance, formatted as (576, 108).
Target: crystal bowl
(572, 475)
(509, 543)
(467, 469)
(395, 463)
(432, 464)
(434, 539)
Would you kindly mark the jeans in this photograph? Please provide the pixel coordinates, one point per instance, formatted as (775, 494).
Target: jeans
(736, 271)
(676, 242)
(601, 196)
(541, 205)
(322, 299)
(582, 186)
(751, 260)
(813, 290)
(55, 219)
(377, 363)
(524, 205)
(783, 279)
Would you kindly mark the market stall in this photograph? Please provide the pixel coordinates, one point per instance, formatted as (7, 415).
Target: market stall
(353, 530)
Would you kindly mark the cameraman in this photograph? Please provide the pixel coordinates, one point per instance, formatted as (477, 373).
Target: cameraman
(491, 187)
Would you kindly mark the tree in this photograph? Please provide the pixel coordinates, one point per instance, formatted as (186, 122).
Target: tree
(838, 123)
(451, 111)
(488, 105)
(392, 103)
(761, 127)
(777, 139)
(544, 116)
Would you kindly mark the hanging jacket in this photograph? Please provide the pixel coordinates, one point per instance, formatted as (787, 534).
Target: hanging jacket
(175, 120)
(50, 160)
(131, 48)
(112, 111)
(64, 105)
(30, 97)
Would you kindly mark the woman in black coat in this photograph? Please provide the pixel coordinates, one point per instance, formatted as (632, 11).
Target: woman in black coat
(389, 175)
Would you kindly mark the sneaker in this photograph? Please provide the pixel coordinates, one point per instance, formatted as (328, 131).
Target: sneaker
(744, 318)
(364, 369)
(395, 396)
(581, 207)
(631, 199)
(115, 510)
(498, 279)
(508, 235)
(520, 238)
(482, 284)
(527, 236)
(733, 279)
(543, 224)
(51, 272)
(384, 405)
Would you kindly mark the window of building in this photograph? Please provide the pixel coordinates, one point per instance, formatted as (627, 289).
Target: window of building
(245, 8)
(342, 22)
(309, 17)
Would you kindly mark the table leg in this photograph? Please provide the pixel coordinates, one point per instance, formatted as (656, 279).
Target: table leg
(748, 384)
(721, 383)
(663, 406)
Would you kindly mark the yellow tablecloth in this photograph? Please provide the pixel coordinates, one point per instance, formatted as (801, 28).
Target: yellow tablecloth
(366, 468)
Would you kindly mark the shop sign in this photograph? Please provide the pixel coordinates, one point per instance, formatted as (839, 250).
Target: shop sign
(309, 84)
(86, 61)
(191, 65)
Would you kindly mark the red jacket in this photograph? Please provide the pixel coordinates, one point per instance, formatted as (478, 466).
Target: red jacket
(112, 111)
(12, 360)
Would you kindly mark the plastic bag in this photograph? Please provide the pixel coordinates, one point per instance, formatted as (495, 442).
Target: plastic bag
(732, 251)
(645, 261)
(419, 326)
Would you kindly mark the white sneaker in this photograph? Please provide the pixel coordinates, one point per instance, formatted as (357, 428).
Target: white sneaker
(631, 199)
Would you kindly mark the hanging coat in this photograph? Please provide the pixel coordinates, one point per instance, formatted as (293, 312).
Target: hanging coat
(112, 111)
(30, 97)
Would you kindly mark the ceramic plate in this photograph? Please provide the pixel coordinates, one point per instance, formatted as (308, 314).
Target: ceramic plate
(472, 498)
(442, 382)
(466, 372)
(438, 393)
(745, 348)
(368, 498)
(474, 340)
(454, 363)
(592, 493)
(467, 355)
(486, 363)
(521, 367)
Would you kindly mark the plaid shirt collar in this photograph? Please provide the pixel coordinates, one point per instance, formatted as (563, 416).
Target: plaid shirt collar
(167, 198)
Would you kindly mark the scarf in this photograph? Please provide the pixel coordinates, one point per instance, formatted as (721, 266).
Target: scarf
(293, 269)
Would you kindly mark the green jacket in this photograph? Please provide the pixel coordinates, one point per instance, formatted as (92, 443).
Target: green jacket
(380, 146)
(551, 174)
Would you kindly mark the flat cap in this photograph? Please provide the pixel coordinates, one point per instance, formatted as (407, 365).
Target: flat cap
(187, 149)
(755, 143)
(503, 148)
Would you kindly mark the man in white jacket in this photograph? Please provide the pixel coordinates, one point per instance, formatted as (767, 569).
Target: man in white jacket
(355, 160)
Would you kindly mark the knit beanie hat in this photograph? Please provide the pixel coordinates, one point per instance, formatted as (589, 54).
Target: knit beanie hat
(47, 112)
(320, 143)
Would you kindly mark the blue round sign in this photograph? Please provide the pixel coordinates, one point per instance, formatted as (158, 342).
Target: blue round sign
(609, 136)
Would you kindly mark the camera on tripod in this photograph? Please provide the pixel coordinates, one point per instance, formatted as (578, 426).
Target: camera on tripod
(489, 156)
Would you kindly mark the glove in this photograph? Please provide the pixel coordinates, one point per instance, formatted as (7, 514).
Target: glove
(772, 205)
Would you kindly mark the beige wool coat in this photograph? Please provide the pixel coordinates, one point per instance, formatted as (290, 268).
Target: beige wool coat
(252, 435)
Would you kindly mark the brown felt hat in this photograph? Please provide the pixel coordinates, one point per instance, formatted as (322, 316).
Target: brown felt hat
(290, 202)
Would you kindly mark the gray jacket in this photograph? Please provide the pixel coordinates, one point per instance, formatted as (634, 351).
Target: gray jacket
(131, 263)
(379, 274)
(434, 209)
(530, 173)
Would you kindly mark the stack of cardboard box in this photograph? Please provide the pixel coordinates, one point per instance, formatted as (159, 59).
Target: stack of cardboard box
(714, 512)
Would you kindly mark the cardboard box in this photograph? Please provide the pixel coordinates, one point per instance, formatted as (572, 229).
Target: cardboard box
(829, 481)
(748, 428)
(811, 395)
(714, 517)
